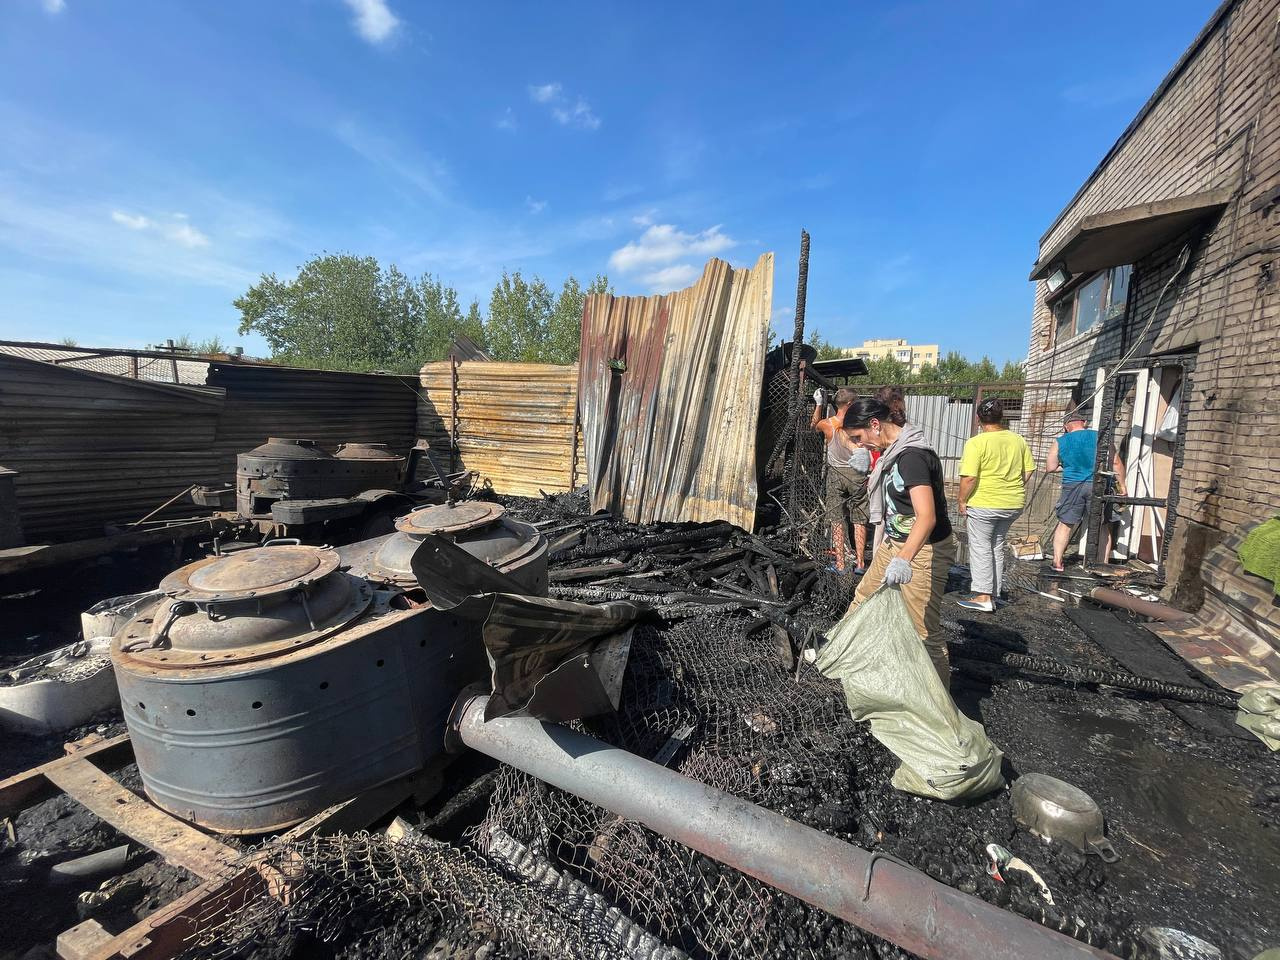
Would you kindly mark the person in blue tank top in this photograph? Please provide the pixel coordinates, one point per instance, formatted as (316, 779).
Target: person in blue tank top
(1075, 454)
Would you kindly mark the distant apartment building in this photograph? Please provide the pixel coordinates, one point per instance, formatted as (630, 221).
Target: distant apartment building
(914, 355)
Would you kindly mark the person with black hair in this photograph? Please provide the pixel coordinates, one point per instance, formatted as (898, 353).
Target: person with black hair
(994, 470)
(908, 496)
(848, 465)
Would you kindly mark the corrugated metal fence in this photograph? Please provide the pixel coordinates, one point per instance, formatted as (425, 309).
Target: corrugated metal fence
(92, 448)
(669, 394)
(513, 423)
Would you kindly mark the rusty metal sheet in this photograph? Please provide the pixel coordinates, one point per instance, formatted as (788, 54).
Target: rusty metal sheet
(515, 422)
(669, 397)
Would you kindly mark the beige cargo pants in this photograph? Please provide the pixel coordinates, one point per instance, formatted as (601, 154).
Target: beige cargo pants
(923, 594)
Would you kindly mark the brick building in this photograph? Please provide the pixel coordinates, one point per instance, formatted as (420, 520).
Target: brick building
(1157, 298)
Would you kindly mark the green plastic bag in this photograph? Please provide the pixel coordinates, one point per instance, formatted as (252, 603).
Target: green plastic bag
(1259, 713)
(890, 681)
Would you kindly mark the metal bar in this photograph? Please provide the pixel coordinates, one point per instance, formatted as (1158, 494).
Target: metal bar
(1136, 501)
(20, 559)
(882, 896)
(172, 500)
(454, 458)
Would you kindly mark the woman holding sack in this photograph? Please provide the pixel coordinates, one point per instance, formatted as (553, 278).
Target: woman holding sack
(907, 496)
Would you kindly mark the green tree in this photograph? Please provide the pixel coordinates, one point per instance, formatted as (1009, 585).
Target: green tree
(887, 370)
(563, 338)
(528, 323)
(1012, 372)
(519, 313)
(826, 349)
(343, 312)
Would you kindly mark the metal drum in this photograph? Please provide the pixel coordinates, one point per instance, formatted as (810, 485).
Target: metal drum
(477, 526)
(266, 685)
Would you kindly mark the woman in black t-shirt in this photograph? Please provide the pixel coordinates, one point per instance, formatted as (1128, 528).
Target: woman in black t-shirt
(908, 496)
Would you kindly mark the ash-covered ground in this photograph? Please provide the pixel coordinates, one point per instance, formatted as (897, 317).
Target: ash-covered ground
(1191, 805)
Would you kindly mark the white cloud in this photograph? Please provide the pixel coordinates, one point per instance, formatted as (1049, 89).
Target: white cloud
(671, 278)
(575, 112)
(579, 115)
(54, 6)
(176, 229)
(535, 206)
(132, 221)
(664, 243)
(507, 121)
(373, 20)
(544, 93)
(187, 235)
(416, 167)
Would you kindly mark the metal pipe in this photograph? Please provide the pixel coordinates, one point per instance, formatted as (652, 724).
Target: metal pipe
(881, 895)
(1148, 608)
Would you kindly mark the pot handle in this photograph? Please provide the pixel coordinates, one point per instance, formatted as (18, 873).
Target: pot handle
(1103, 848)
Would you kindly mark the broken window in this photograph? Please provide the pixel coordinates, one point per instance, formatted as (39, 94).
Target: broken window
(1098, 299)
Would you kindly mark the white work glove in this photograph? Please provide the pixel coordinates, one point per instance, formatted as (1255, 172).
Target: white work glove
(898, 571)
(820, 398)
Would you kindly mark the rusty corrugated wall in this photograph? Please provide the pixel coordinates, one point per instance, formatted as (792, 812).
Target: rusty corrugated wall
(92, 448)
(672, 436)
(514, 422)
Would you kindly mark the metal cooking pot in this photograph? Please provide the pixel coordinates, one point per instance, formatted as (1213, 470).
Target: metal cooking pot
(1056, 810)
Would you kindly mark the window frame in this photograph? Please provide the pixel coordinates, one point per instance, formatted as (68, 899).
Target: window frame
(1072, 294)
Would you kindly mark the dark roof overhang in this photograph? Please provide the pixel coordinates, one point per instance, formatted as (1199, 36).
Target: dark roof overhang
(1129, 234)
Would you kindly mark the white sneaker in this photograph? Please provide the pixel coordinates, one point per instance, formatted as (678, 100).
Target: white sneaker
(983, 606)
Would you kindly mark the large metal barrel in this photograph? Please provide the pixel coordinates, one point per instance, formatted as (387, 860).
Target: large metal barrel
(479, 527)
(268, 684)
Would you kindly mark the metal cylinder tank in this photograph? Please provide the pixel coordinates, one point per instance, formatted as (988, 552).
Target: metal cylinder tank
(291, 469)
(268, 684)
(479, 527)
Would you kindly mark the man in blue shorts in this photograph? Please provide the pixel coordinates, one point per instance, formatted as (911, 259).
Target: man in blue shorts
(1074, 453)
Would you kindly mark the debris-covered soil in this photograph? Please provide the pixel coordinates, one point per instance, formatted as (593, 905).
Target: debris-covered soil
(1191, 805)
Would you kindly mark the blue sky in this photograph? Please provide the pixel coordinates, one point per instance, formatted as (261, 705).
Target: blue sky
(156, 157)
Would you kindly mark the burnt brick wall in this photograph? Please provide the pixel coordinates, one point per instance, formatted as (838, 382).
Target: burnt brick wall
(1216, 125)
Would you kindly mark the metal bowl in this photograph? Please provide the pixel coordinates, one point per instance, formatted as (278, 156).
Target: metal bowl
(1056, 810)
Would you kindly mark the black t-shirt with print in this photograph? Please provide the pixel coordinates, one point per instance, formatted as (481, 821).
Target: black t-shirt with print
(914, 467)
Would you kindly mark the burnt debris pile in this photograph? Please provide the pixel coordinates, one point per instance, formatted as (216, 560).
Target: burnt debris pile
(713, 691)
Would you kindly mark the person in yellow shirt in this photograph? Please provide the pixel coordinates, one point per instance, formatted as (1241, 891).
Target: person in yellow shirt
(994, 470)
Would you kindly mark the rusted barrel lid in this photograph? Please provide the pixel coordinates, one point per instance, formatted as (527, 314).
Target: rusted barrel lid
(366, 451)
(288, 448)
(451, 519)
(263, 572)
